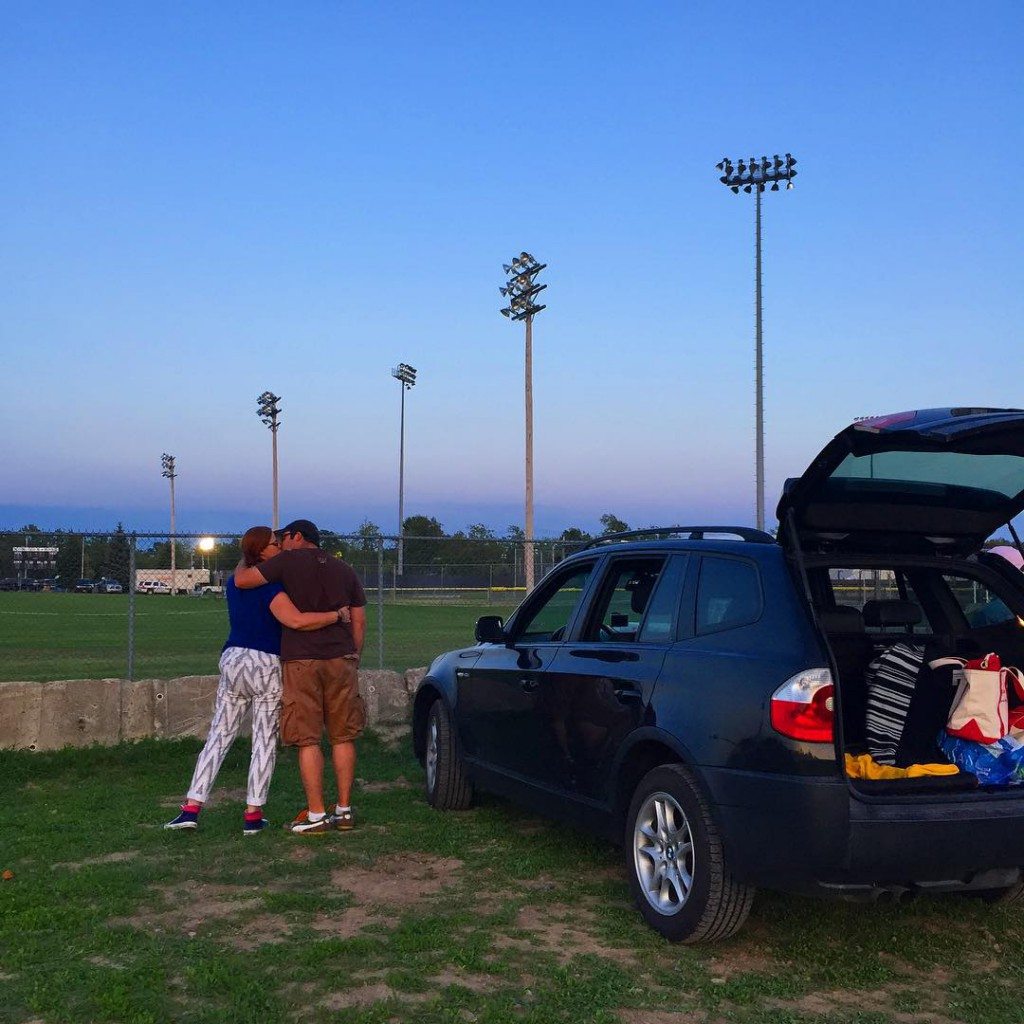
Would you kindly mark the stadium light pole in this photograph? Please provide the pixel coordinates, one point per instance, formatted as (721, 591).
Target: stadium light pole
(754, 177)
(169, 471)
(269, 411)
(521, 291)
(406, 377)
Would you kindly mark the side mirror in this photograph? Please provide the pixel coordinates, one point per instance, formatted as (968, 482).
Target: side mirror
(489, 630)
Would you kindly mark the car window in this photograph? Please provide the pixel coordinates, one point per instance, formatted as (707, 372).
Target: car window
(660, 624)
(981, 606)
(547, 621)
(728, 594)
(625, 595)
(856, 588)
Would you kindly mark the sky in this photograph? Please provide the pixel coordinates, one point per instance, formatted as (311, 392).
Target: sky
(199, 202)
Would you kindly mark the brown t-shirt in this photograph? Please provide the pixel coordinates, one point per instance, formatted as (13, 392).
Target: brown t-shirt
(316, 582)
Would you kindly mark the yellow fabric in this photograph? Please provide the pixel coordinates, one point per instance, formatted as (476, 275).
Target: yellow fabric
(866, 767)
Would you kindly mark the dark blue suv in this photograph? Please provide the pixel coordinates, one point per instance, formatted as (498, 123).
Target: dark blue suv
(693, 692)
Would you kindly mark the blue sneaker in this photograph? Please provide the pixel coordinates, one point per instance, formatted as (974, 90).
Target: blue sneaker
(250, 826)
(187, 819)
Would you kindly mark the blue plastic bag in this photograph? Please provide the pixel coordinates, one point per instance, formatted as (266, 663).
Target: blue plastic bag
(995, 764)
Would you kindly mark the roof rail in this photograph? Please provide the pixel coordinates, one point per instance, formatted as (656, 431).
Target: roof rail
(744, 533)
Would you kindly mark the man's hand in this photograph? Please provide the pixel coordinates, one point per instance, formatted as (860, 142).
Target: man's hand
(345, 614)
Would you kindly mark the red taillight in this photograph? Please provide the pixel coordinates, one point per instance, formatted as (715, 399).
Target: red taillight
(803, 707)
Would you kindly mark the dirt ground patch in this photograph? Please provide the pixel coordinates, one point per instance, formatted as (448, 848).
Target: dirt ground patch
(367, 994)
(117, 857)
(662, 1016)
(194, 906)
(564, 930)
(830, 1004)
(383, 787)
(396, 880)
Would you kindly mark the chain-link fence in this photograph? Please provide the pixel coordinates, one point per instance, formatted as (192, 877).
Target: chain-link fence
(86, 606)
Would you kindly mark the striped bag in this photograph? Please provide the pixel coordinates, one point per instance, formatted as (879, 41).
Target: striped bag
(891, 679)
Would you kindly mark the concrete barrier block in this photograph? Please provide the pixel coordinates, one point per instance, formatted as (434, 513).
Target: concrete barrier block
(183, 706)
(21, 705)
(386, 697)
(413, 678)
(136, 709)
(78, 712)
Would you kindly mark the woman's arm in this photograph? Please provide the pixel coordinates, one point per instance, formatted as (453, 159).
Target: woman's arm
(288, 615)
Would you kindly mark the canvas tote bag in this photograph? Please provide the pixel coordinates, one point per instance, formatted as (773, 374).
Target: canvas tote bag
(980, 707)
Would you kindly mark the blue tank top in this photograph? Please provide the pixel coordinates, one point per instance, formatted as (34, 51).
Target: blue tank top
(252, 624)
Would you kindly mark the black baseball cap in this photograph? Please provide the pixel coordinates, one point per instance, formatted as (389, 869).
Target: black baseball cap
(306, 528)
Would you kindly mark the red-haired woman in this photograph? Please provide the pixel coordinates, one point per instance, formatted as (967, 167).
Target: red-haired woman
(250, 675)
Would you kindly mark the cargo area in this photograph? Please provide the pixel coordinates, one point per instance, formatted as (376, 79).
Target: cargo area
(942, 607)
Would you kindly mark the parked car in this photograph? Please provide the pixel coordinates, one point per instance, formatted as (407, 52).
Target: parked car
(31, 585)
(85, 586)
(154, 587)
(106, 586)
(691, 692)
(9, 583)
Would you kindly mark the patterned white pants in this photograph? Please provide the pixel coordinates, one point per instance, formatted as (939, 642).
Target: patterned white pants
(247, 677)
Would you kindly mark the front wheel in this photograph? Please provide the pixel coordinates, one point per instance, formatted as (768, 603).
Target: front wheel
(676, 862)
(448, 788)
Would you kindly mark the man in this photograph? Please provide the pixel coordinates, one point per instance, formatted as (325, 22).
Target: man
(321, 682)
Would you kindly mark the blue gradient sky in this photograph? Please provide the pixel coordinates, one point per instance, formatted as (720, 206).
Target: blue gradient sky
(203, 201)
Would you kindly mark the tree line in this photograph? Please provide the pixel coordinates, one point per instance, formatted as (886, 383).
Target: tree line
(92, 556)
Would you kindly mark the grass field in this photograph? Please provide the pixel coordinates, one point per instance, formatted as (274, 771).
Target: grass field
(487, 916)
(85, 636)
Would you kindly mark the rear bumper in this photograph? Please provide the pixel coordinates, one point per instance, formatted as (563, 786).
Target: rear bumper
(815, 835)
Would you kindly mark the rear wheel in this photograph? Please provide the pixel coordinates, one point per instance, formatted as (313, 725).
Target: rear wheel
(676, 862)
(448, 788)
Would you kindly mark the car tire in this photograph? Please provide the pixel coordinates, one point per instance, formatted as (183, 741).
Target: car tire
(670, 836)
(448, 788)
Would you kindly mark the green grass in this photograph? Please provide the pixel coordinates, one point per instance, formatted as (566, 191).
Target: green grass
(487, 916)
(85, 636)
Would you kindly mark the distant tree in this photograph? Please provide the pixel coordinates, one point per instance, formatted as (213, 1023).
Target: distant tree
(612, 524)
(574, 535)
(369, 534)
(516, 533)
(69, 560)
(423, 552)
(115, 564)
(477, 531)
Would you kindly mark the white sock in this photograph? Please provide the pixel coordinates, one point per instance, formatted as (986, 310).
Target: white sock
(338, 809)
(317, 817)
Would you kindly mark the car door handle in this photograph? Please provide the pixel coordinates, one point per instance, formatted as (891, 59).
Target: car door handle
(528, 685)
(628, 694)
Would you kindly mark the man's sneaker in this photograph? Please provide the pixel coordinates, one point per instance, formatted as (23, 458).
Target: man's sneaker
(303, 826)
(187, 819)
(342, 820)
(250, 826)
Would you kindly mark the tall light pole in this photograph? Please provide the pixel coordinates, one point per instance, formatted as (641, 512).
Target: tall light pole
(756, 176)
(169, 471)
(269, 411)
(406, 377)
(521, 292)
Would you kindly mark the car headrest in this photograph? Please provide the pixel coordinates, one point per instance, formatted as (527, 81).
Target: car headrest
(640, 587)
(841, 619)
(892, 612)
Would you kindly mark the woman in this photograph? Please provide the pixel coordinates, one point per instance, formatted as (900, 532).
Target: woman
(250, 674)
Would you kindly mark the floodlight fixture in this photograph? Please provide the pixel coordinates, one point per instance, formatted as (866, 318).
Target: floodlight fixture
(521, 291)
(406, 377)
(268, 408)
(168, 468)
(755, 176)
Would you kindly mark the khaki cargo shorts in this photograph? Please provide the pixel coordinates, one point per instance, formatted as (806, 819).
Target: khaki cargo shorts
(318, 694)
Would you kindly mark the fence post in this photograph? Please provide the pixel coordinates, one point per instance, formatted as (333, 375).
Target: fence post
(490, 583)
(131, 608)
(380, 602)
(394, 584)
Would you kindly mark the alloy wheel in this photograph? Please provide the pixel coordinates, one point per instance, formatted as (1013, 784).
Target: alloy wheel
(663, 853)
(432, 755)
